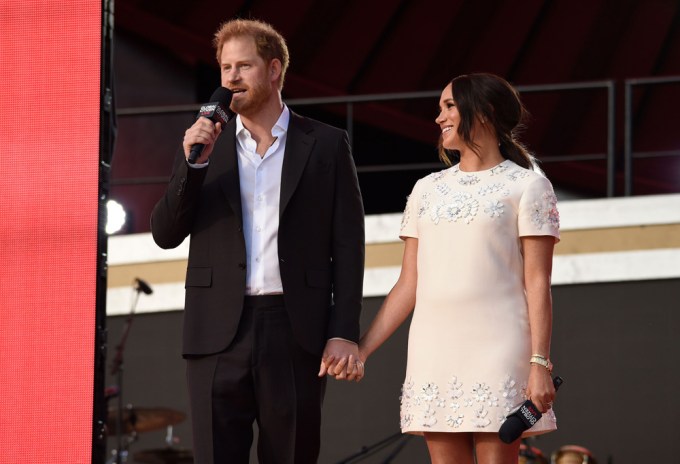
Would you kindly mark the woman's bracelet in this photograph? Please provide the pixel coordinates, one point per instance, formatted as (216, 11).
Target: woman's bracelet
(541, 361)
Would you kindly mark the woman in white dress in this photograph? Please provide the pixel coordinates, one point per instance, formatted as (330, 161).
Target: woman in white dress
(479, 240)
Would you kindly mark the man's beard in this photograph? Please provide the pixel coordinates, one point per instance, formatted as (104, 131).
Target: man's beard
(254, 101)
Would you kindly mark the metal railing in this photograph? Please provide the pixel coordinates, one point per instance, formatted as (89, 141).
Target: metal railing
(609, 86)
(628, 154)
(350, 101)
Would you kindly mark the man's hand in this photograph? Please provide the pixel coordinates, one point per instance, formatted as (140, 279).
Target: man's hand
(205, 132)
(340, 359)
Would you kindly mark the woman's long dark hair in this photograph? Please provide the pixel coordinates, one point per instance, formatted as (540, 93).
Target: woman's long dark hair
(484, 96)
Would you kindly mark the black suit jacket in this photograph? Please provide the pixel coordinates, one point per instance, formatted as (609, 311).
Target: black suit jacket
(320, 239)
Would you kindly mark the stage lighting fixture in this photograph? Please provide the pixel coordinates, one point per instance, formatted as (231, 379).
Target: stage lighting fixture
(116, 216)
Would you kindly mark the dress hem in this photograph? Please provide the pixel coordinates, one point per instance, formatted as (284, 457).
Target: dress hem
(528, 433)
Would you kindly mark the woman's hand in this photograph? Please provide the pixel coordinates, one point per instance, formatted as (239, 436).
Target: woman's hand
(358, 373)
(540, 389)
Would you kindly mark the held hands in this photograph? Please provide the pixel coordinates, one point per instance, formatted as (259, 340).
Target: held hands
(341, 360)
(205, 132)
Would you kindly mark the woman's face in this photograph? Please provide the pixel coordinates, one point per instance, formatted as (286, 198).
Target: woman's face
(449, 120)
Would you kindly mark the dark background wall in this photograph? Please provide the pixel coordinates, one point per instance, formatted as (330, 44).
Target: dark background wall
(163, 57)
(615, 344)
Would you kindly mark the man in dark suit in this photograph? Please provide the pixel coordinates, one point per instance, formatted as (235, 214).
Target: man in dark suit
(275, 271)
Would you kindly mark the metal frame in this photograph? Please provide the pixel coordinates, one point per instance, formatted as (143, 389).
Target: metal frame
(628, 154)
(107, 136)
(351, 100)
(609, 85)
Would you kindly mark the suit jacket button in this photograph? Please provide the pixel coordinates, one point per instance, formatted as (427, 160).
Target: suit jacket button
(241, 265)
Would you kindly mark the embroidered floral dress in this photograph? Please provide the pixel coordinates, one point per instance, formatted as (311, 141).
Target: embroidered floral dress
(469, 341)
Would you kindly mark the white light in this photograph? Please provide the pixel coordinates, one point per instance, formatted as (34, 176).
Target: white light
(115, 217)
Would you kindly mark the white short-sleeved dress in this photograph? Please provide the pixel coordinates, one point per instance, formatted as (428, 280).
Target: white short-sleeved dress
(469, 342)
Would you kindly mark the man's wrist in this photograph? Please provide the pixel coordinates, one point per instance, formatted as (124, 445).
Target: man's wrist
(198, 165)
(343, 339)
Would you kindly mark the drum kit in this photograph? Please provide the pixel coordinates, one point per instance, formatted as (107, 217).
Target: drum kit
(140, 420)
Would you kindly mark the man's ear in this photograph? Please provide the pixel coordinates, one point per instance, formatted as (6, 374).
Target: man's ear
(275, 69)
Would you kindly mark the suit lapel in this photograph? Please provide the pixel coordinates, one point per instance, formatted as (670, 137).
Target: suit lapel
(229, 181)
(299, 146)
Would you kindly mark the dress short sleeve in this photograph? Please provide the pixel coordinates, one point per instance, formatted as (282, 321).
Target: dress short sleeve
(409, 221)
(538, 214)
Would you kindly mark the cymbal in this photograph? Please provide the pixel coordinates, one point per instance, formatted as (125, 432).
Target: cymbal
(165, 456)
(143, 419)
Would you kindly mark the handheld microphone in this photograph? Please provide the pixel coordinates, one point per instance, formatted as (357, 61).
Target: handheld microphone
(142, 286)
(522, 419)
(217, 111)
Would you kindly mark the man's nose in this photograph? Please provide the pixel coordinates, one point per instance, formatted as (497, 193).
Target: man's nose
(233, 75)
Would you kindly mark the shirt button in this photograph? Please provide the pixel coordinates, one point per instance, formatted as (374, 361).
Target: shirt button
(257, 259)
(259, 198)
(258, 228)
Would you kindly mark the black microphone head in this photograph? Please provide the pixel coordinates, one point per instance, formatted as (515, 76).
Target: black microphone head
(217, 111)
(511, 429)
(519, 421)
(143, 286)
(218, 108)
(222, 95)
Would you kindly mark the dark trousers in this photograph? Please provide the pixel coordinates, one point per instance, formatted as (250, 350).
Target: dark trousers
(263, 376)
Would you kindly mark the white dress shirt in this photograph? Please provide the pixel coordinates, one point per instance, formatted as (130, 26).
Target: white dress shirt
(260, 182)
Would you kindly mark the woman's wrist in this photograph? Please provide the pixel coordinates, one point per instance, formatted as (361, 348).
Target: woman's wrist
(540, 360)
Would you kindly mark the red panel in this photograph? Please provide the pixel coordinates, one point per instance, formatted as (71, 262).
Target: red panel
(49, 130)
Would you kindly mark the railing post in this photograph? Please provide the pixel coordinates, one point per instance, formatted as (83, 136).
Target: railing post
(628, 139)
(628, 124)
(611, 139)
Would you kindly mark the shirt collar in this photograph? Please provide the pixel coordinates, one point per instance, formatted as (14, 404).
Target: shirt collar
(280, 127)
